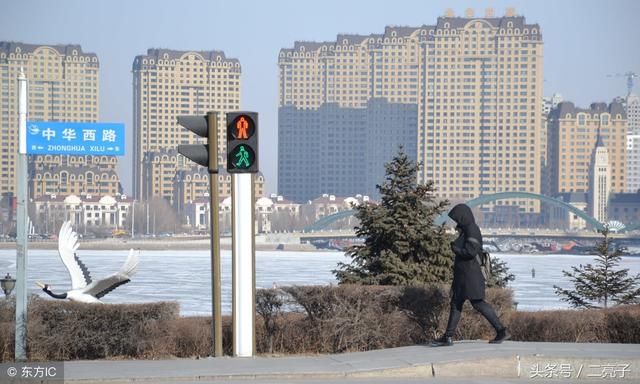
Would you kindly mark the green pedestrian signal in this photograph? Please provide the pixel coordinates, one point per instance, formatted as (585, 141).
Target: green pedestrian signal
(243, 156)
(242, 142)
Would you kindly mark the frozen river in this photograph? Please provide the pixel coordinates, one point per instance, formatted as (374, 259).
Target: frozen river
(184, 276)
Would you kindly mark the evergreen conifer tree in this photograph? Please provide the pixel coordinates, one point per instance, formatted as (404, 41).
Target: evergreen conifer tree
(600, 284)
(500, 275)
(402, 245)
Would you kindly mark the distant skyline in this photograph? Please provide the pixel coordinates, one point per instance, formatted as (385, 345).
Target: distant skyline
(584, 42)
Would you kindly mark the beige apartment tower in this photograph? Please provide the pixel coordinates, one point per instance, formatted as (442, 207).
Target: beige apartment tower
(573, 135)
(63, 86)
(477, 82)
(167, 84)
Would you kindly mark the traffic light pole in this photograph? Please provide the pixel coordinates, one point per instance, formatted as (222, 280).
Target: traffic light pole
(207, 156)
(243, 264)
(216, 286)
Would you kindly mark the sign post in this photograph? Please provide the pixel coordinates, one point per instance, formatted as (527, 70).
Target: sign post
(42, 138)
(243, 279)
(22, 230)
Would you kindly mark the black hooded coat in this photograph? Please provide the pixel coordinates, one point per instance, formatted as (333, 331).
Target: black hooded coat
(468, 282)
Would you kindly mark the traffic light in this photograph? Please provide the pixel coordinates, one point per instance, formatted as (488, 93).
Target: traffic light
(203, 154)
(207, 156)
(242, 142)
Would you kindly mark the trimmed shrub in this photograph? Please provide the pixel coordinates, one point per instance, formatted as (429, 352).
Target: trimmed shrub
(7, 329)
(269, 303)
(557, 326)
(622, 324)
(614, 325)
(192, 336)
(62, 330)
(351, 317)
(321, 319)
(425, 306)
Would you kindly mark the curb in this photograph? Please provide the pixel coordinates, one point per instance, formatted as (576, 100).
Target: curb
(516, 367)
(471, 359)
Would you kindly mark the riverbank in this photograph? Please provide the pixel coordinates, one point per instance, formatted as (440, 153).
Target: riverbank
(273, 243)
(159, 244)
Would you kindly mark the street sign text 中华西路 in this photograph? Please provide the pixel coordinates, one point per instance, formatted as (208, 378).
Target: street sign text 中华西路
(72, 138)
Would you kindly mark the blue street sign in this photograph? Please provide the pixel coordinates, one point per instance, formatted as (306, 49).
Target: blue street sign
(62, 138)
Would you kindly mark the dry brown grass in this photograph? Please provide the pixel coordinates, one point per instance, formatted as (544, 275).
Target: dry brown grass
(327, 319)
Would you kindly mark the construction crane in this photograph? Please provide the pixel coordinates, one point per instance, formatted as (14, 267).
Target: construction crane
(630, 76)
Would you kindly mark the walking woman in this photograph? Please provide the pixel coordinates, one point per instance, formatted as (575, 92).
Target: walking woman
(468, 282)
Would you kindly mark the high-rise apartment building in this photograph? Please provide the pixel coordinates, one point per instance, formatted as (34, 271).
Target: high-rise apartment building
(167, 84)
(633, 163)
(632, 106)
(573, 134)
(341, 151)
(477, 84)
(63, 86)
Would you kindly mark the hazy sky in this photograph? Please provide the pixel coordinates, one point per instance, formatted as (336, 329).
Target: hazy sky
(584, 41)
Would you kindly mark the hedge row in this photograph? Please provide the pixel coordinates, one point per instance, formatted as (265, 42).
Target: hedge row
(296, 320)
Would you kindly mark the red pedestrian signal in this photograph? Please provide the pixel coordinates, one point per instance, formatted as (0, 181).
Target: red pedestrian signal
(242, 125)
(242, 142)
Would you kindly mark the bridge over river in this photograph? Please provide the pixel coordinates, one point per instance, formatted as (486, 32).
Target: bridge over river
(498, 239)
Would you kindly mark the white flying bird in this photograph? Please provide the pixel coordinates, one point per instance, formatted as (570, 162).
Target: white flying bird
(83, 289)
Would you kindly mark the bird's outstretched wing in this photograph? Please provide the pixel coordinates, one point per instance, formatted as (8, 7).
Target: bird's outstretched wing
(102, 287)
(67, 246)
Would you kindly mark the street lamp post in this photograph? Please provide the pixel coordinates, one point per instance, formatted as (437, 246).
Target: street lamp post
(7, 284)
(84, 218)
(117, 215)
(133, 219)
(147, 205)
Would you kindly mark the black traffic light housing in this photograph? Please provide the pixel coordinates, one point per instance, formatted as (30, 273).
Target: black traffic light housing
(242, 142)
(203, 126)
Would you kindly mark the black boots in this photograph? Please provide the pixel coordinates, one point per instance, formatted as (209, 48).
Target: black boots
(447, 341)
(443, 341)
(501, 336)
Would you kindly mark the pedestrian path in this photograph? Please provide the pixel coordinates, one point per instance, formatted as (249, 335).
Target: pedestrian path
(464, 359)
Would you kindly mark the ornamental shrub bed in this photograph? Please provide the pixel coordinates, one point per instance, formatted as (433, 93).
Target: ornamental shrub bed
(296, 320)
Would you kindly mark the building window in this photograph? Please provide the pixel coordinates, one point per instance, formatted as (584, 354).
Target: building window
(582, 119)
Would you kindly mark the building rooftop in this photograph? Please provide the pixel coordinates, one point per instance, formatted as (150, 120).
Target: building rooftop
(567, 107)
(625, 198)
(445, 22)
(573, 197)
(10, 47)
(158, 54)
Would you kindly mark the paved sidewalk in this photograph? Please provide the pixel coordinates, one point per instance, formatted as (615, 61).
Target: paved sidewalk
(620, 362)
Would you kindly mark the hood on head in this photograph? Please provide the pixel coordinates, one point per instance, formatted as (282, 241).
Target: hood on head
(462, 215)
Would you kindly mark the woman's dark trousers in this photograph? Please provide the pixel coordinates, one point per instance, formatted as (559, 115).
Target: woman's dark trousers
(479, 305)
